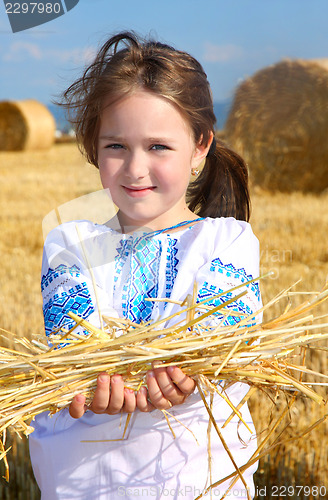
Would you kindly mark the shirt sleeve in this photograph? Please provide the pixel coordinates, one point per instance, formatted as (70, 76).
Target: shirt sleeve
(68, 284)
(235, 261)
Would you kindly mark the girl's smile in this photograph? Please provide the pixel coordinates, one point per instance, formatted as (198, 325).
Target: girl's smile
(136, 191)
(145, 154)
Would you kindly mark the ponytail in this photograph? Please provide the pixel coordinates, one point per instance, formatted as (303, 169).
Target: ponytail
(221, 189)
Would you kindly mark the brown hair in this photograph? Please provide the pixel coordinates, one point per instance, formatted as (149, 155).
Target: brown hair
(222, 187)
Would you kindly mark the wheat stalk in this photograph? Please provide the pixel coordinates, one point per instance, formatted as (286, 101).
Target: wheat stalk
(35, 377)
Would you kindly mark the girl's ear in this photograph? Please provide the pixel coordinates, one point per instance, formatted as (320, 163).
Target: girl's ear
(201, 151)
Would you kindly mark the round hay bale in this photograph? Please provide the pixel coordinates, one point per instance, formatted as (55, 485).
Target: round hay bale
(25, 125)
(279, 123)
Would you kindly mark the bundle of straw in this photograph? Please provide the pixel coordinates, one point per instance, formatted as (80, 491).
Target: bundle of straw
(25, 126)
(278, 123)
(38, 378)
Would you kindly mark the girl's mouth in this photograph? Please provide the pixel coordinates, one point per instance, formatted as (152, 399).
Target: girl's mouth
(138, 192)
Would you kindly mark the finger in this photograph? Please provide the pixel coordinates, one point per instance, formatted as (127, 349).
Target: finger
(102, 394)
(142, 402)
(156, 395)
(129, 401)
(116, 400)
(77, 406)
(185, 384)
(169, 389)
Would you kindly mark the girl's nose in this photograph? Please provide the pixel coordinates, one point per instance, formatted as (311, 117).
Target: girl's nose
(136, 165)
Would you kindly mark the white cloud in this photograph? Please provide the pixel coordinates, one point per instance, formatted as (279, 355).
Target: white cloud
(22, 51)
(74, 56)
(222, 53)
(19, 51)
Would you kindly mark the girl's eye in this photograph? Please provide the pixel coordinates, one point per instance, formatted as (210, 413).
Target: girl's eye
(114, 146)
(159, 147)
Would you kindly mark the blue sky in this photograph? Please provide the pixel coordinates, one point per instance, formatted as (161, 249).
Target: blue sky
(231, 38)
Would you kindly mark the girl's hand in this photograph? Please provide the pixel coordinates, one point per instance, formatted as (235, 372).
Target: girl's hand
(166, 387)
(110, 397)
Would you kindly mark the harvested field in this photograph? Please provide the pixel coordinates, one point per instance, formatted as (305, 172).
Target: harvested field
(291, 229)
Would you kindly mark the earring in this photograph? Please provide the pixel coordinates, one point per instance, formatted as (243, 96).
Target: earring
(195, 172)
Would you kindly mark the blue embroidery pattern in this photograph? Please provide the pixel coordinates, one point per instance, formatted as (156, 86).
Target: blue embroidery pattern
(77, 299)
(208, 291)
(143, 279)
(171, 265)
(52, 274)
(239, 274)
(141, 257)
(123, 251)
(229, 271)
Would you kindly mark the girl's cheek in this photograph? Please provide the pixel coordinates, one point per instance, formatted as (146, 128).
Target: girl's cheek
(104, 177)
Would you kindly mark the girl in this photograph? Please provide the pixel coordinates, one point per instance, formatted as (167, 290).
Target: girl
(144, 117)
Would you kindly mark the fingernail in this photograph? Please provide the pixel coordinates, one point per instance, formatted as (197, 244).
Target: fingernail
(103, 378)
(130, 391)
(151, 373)
(80, 399)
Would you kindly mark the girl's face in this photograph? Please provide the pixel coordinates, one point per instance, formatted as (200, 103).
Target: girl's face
(145, 154)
